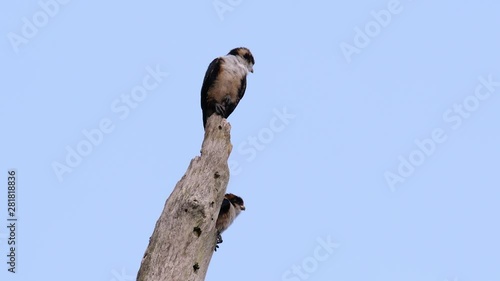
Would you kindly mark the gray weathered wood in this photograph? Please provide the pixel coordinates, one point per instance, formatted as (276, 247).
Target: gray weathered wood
(184, 237)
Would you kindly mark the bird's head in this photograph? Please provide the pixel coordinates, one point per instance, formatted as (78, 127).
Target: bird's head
(245, 55)
(236, 201)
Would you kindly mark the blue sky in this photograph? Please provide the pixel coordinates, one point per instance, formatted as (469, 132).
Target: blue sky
(366, 146)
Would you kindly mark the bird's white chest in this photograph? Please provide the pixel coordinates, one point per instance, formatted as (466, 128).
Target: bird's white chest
(234, 68)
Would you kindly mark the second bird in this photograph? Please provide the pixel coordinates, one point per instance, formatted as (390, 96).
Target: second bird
(225, 83)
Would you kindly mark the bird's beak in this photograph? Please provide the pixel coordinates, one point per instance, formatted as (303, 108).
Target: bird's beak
(251, 69)
(243, 208)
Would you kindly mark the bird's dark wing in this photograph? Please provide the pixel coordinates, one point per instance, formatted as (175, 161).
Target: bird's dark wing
(224, 208)
(208, 81)
(243, 87)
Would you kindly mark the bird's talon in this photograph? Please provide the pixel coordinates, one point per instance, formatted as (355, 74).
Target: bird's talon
(220, 109)
(219, 238)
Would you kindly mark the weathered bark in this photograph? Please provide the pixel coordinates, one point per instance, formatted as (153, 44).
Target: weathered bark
(184, 237)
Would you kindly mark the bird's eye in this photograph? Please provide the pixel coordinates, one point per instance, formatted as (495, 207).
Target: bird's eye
(246, 56)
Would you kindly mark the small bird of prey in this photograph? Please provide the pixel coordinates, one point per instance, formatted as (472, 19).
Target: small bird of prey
(231, 207)
(225, 83)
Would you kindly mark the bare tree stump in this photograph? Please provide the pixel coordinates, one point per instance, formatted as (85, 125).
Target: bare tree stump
(184, 237)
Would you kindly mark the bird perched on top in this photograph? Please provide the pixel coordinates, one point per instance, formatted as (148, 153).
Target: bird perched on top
(225, 83)
(231, 207)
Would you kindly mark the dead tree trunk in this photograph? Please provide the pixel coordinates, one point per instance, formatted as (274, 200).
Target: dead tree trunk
(184, 237)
